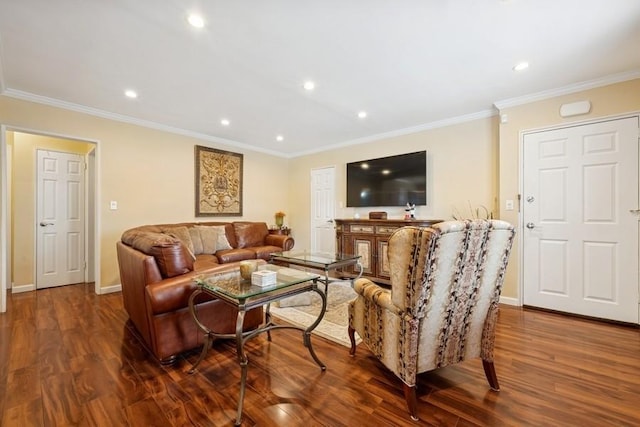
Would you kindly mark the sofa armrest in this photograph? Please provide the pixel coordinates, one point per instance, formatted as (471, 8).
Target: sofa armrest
(137, 269)
(280, 240)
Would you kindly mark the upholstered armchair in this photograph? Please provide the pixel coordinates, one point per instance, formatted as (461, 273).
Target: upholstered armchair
(442, 306)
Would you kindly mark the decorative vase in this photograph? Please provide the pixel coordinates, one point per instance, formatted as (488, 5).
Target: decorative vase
(279, 221)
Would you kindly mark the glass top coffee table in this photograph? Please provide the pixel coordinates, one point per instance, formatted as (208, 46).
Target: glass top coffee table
(232, 289)
(320, 261)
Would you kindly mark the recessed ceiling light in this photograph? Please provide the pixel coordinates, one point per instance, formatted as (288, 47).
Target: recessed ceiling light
(309, 85)
(225, 122)
(362, 114)
(130, 94)
(521, 66)
(279, 138)
(196, 20)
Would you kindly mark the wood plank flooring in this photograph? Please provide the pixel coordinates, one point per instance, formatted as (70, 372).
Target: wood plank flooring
(67, 358)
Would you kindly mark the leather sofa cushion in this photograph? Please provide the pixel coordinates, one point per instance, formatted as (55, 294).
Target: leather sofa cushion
(144, 241)
(232, 255)
(264, 252)
(205, 262)
(173, 259)
(250, 234)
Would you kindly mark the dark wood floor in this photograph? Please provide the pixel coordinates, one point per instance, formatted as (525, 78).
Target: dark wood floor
(67, 358)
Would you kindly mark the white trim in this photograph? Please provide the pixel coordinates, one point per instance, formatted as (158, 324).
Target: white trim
(110, 289)
(406, 131)
(23, 288)
(4, 222)
(26, 96)
(510, 301)
(566, 90)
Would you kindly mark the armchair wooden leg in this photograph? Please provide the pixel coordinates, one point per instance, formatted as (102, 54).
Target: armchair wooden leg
(490, 372)
(412, 402)
(352, 337)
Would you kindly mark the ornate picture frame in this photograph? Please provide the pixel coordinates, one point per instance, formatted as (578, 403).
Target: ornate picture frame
(218, 176)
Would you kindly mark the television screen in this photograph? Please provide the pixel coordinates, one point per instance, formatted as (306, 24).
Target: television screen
(388, 181)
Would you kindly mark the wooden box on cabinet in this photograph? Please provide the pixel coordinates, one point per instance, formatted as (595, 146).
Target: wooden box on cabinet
(368, 238)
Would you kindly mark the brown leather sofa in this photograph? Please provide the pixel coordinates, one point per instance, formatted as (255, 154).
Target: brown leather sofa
(158, 265)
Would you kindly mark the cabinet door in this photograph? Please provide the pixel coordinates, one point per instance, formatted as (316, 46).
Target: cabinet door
(365, 247)
(382, 259)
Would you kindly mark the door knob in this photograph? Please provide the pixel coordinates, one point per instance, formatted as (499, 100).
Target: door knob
(44, 224)
(530, 225)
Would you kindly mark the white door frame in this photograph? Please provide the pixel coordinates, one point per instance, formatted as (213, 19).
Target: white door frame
(5, 218)
(520, 226)
(5, 211)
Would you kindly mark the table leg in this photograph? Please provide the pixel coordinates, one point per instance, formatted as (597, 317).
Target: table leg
(361, 270)
(243, 361)
(307, 332)
(326, 283)
(203, 328)
(267, 320)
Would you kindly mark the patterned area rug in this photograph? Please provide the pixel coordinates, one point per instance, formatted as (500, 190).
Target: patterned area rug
(334, 324)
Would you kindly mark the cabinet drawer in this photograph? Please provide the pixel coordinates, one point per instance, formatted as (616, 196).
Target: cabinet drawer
(385, 229)
(356, 228)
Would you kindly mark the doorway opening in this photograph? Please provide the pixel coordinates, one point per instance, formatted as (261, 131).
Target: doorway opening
(23, 249)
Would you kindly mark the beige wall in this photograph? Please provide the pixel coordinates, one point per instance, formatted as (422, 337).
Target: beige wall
(23, 202)
(462, 164)
(149, 173)
(605, 101)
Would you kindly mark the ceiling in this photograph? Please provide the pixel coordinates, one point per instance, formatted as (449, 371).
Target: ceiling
(410, 64)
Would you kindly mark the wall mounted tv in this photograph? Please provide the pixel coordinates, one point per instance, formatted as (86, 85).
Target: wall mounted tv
(388, 181)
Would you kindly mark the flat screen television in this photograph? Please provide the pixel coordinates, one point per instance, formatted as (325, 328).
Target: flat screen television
(388, 181)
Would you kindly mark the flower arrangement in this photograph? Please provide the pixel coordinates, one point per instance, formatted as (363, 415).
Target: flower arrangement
(280, 218)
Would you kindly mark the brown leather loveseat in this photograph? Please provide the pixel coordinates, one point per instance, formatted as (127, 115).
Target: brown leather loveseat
(158, 265)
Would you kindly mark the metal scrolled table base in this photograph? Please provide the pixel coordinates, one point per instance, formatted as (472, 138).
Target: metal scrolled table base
(242, 337)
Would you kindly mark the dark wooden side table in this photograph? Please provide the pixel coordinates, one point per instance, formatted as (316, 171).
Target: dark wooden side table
(285, 231)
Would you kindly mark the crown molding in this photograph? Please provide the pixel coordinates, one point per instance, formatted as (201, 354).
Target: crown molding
(26, 96)
(405, 131)
(566, 90)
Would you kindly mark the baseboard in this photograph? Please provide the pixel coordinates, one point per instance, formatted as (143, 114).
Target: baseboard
(509, 301)
(16, 289)
(110, 289)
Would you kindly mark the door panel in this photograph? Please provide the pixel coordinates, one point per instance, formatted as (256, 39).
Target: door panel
(580, 240)
(60, 216)
(323, 237)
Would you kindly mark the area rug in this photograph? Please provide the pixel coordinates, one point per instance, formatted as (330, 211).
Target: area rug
(334, 324)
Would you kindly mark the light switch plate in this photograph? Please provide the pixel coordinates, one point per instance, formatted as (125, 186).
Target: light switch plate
(113, 205)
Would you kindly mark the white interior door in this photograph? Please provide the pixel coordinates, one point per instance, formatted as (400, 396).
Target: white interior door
(60, 216)
(580, 235)
(323, 234)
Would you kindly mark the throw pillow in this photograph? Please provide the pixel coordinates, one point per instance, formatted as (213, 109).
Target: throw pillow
(197, 240)
(209, 238)
(181, 233)
(222, 242)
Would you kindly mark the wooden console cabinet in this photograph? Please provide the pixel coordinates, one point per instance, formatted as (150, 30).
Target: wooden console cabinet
(368, 238)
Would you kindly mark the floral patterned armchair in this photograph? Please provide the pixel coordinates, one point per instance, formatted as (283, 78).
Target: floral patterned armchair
(442, 306)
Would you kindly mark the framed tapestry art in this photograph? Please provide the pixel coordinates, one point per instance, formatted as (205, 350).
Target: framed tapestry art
(218, 182)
